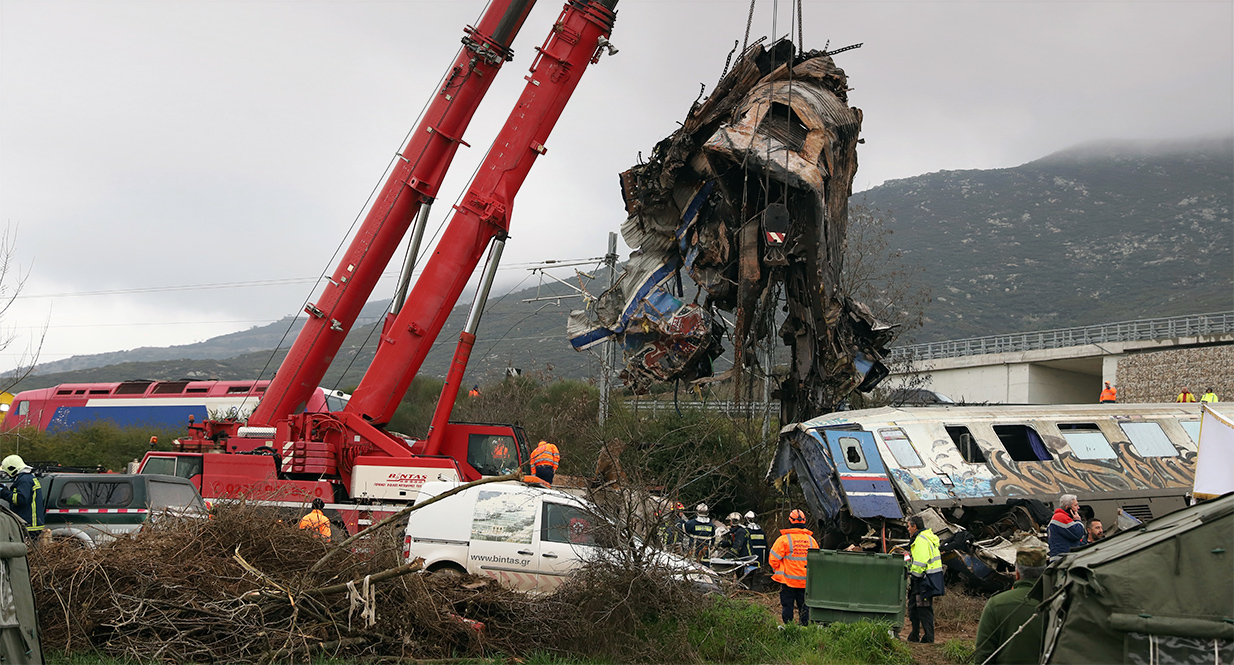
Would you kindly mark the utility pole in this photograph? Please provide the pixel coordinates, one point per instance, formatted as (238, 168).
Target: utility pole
(608, 357)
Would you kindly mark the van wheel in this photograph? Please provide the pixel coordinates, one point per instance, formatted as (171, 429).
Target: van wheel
(446, 571)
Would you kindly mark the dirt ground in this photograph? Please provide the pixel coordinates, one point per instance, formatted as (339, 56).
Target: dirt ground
(955, 618)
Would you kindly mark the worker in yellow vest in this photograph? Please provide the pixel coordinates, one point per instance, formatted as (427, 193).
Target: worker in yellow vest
(1209, 397)
(316, 521)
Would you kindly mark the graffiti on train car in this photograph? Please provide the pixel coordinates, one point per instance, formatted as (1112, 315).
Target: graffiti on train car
(1067, 473)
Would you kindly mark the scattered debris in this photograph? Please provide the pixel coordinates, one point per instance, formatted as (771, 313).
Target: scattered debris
(750, 198)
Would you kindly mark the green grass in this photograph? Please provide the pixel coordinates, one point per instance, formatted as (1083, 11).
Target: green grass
(959, 652)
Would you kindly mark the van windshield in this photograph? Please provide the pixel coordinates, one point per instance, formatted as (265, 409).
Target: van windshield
(173, 495)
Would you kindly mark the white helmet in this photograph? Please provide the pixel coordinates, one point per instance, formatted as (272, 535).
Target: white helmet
(750, 515)
(701, 509)
(734, 517)
(12, 464)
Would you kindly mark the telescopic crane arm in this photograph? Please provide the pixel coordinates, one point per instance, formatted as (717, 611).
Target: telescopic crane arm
(483, 214)
(413, 183)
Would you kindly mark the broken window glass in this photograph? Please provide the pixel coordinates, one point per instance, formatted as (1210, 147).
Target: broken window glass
(900, 446)
(1087, 441)
(1149, 440)
(1023, 443)
(854, 457)
(966, 444)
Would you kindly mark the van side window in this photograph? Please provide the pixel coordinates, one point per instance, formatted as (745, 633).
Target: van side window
(854, 458)
(1149, 439)
(492, 454)
(1023, 443)
(1087, 441)
(96, 494)
(966, 444)
(566, 524)
(901, 448)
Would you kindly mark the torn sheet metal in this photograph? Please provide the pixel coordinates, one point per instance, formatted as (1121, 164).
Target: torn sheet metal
(749, 198)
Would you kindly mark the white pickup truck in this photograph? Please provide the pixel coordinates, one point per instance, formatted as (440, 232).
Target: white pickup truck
(527, 537)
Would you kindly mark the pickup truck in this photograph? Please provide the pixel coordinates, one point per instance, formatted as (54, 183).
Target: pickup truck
(96, 507)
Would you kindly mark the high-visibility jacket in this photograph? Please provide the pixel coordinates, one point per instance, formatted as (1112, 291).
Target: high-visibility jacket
(546, 454)
(788, 556)
(501, 451)
(316, 521)
(758, 541)
(1208, 397)
(1109, 394)
(926, 557)
(29, 501)
(1185, 397)
(536, 480)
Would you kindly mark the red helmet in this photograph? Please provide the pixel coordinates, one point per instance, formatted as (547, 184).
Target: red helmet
(797, 517)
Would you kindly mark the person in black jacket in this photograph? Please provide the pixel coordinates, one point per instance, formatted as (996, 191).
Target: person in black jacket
(27, 498)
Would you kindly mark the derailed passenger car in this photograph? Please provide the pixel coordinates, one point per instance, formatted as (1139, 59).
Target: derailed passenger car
(983, 468)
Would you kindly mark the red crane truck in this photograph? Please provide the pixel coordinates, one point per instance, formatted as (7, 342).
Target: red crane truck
(285, 456)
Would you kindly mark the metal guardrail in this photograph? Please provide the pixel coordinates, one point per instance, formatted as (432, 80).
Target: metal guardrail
(1194, 325)
(751, 408)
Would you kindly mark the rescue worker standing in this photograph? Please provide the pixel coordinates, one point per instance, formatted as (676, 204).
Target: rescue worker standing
(28, 498)
(758, 538)
(925, 581)
(788, 563)
(1209, 397)
(316, 521)
(671, 528)
(701, 532)
(545, 460)
(736, 539)
(1011, 629)
(1109, 394)
(1185, 396)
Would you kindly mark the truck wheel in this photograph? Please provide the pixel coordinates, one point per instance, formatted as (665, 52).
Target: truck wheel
(446, 570)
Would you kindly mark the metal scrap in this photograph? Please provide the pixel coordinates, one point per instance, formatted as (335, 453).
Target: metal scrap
(750, 199)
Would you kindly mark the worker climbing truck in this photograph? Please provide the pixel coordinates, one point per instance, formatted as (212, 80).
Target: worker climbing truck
(285, 455)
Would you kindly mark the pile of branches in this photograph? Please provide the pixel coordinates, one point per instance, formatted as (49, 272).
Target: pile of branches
(241, 586)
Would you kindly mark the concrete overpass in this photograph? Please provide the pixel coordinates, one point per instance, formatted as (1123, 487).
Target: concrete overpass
(1064, 366)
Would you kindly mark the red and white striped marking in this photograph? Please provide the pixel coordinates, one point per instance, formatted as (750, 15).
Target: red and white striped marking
(78, 511)
(775, 238)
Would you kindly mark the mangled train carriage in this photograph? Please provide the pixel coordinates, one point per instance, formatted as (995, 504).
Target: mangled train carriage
(989, 469)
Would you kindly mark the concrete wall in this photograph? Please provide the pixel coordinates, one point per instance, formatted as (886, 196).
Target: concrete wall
(1016, 383)
(1158, 376)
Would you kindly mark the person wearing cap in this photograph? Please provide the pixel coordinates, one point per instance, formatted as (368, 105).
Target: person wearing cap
(701, 532)
(27, 496)
(758, 538)
(1109, 394)
(788, 563)
(1006, 612)
(545, 460)
(316, 521)
(925, 579)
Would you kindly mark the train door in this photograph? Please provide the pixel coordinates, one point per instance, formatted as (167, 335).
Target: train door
(863, 478)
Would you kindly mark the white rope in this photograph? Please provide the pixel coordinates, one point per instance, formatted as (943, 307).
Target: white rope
(366, 598)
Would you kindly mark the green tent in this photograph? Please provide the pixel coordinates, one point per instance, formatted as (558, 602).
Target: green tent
(19, 625)
(1160, 593)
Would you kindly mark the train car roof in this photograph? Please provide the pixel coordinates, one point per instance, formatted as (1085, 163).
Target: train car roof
(907, 414)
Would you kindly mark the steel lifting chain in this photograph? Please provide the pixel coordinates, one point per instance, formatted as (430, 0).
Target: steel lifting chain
(801, 42)
(749, 22)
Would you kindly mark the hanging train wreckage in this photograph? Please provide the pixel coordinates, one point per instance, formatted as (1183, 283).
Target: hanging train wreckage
(749, 196)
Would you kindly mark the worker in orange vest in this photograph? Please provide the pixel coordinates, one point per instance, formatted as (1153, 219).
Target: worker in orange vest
(316, 520)
(475, 391)
(1109, 394)
(544, 461)
(788, 563)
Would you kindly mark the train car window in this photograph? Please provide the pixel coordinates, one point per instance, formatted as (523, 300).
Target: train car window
(169, 388)
(80, 392)
(198, 391)
(901, 448)
(100, 392)
(1087, 441)
(239, 389)
(23, 408)
(1192, 428)
(64, 392)
(1149, 440)
(854, 458)
(966, 443)
(1023, 443)
(133, 387)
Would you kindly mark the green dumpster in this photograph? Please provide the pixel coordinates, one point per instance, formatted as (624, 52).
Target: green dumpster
(851, 586)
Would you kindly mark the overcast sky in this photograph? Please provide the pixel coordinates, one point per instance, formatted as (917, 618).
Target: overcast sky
(178, 170)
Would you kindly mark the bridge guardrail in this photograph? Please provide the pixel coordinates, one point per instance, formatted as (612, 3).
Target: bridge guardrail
(1194, 325)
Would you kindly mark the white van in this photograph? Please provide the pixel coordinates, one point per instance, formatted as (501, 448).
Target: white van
(527, 537)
